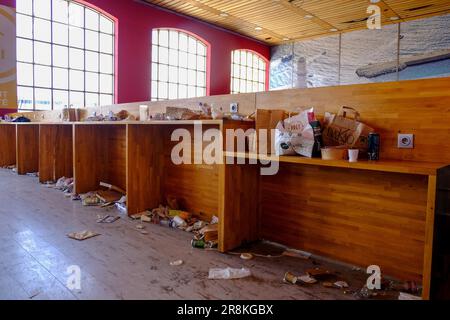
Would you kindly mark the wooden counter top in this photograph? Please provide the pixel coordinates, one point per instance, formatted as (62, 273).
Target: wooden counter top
(396, 166)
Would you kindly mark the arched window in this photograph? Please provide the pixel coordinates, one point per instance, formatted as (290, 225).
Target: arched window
(248, 72)
(179, 65)
(65, 55)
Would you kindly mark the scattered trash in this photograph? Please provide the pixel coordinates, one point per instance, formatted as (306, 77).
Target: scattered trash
(140, 227)
(341, 284)
(214, 220)
(83, 235)
(228, 273)
(112, 187)
(297, 254)
(327, 284)
(290, 278)
(210, 232)
(107, 219)
(65, 185)
(136, 216)
(145, 218)
(318, 273)
(90, 199)
(246, 256)
(33, 174)
(407, 296)
(144, 232)
(122, 207)
(307, 279)
(177, 263)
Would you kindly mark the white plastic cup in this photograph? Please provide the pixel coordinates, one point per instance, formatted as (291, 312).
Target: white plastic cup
(353, 155)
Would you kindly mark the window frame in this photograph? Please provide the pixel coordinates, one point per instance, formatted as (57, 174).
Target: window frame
(233, 77)
(68, 46)
(207, 57)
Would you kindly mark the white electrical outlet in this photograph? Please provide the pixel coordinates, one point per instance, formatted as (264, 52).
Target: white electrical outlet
(234, 107)
(406, 141)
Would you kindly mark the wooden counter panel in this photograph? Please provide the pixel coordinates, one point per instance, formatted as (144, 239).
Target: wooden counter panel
(99, 156)
(196, 185)
(27, 148)
(7, 144)
(355, 216)
(56, 152)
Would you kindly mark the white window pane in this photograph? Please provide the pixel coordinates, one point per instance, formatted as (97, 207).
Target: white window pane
(235, 85)
(256, 75)
(243, 86)
(155, 53)
(25, 50)
(164, 38)
(60, 56)
(173, 74)
(173, 39)
(92, 40)
(92, 82)
(192, 77)
(25, 74)
(243, 57)
(106, 100)
(60, 99)
(183, 42)
(236, 70)
(262, 76)
(92, 63)
(162, 90)
(201, 63)
(255, 87)
(236, 57)
(163, 73)
(60, 11)
(76, 99)
(42, 76)
(76, 14)
(173, 57)
(183, 76)
(24, 26)
(76, 59)
(106, 43)
(192, 45)
(201, 49)
(42, 8)
(92, 20)
(43, 99)
(42, 30)
(163, 55)
(192, 92)
(24, 6)
(201, 92)
(25, 98)
(60, 78)
(106, 64)
(42, 53)
(192, 61)
(154, 71)
(256, 63)
(106, 25)
(154, 92)
(76, 36)
(92, 100)
(250, 74)
(182, 92)
(76, 80)
(250, 59)
(106, 83)
(155, 38)
(249, 87)
(60, 33)
(173, 91)
(201, 79)
(243, 72)
(262, 64)
(183, 62)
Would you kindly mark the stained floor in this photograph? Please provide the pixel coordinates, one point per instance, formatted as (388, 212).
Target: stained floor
(121, 263)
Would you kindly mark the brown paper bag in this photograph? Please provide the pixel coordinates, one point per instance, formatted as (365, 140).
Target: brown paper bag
(267, 119)
(342, 130)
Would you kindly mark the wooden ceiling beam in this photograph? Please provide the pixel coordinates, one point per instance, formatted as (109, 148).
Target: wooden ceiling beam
(237, 21)
(303, 13)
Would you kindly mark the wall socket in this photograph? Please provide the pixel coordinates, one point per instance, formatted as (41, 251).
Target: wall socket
(405, 141)
(234, 107)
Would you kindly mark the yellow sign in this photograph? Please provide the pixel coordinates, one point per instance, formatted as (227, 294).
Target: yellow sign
(8, 87)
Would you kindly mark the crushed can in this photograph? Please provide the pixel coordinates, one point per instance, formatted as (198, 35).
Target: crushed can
(200, 244)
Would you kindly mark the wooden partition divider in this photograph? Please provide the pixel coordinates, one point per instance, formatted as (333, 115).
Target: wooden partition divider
(7, 144)
(99, 155)
(27, 148)
(55, 151)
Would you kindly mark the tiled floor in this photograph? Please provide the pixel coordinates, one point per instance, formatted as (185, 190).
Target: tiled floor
(121, 263)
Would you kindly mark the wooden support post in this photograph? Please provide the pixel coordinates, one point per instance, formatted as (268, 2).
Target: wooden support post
(27, 148)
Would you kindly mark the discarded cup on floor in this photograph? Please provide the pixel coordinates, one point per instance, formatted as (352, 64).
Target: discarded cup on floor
(353, 155)
(290, 278)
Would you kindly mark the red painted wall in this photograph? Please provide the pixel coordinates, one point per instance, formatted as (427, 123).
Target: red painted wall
(136, 21)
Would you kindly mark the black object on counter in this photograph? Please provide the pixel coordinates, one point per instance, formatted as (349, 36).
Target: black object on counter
(22, 119)
(374, 146)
